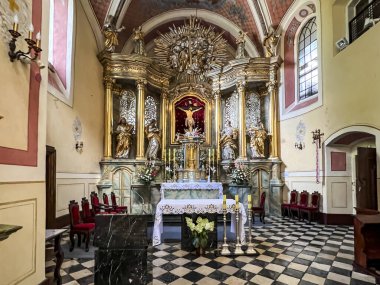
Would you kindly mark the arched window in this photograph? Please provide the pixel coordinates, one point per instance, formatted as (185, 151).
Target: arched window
(61, 43)
(308, 60)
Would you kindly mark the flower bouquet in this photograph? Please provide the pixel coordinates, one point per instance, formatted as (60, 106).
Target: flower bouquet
(200, 231)
(148, 173)
(240, 174)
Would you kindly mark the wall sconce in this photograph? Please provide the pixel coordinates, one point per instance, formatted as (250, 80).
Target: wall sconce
(299, 145)
(317, 137)
(79, 146)
(34, 45)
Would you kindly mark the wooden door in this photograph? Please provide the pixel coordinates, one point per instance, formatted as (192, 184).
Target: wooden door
(366, 189)
(50, 177)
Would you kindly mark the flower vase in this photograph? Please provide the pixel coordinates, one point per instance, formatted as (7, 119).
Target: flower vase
(199, 251)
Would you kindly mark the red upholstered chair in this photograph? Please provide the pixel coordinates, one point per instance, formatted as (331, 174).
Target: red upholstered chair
(78, 227)
(106, 202)
(97, 207)
(88, 216)
(123, 209)
(304, 200)
(260, 209)
(313, 209)
(285, 207)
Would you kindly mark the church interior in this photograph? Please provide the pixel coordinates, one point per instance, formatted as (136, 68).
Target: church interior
(189, 142)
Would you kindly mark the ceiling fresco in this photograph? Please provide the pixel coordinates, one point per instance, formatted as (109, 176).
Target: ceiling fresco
(236, 11)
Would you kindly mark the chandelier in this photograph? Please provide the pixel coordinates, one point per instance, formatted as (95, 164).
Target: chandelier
(191, 50)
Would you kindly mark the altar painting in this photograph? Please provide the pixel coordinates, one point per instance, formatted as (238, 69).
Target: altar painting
(190, 114)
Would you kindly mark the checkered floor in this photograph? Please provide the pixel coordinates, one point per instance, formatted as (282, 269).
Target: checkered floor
(291, 252)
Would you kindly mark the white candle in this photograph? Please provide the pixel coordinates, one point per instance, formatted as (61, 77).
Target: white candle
(15, 23)
(31, 30)
(38, 38)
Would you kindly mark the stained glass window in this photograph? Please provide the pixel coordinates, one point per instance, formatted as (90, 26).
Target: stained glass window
(128, 107)
(308, 60)
(252, 112)
(230, 110)
(150, 109)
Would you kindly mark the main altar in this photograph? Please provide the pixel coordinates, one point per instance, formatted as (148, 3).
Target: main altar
(181, 116)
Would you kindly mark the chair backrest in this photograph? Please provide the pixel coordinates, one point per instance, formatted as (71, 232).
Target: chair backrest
(113, 199)
(105, 199)
(304, 198)
(95, 202)
(315, 197)
(86, 211)
(262, 199)
(293, 197)
(74, 213)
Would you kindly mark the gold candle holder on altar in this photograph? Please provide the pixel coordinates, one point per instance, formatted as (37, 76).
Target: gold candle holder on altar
(238, 250)
(250, 249)
(225, 250)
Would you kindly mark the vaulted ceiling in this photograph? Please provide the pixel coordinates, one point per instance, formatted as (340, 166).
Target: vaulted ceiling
(252, 16)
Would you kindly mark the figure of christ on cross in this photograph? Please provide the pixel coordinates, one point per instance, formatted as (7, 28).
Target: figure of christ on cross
(189, 121)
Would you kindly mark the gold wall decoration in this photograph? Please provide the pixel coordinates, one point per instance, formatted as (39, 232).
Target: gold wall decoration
(191, 98)
(191, 50)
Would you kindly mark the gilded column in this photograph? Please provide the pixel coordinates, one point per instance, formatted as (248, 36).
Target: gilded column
(108, 110)
(273, 111)
(218, 122)
(242, 122)
(163, 124)
(140, 119)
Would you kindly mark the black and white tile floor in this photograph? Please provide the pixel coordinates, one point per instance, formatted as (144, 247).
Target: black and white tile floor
(291, 252)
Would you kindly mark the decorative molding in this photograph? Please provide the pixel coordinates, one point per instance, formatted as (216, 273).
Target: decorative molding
(68, 175)
(28, 157)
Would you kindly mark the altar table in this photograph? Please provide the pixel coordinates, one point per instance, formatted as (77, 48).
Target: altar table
(190, 206)
(192, 190)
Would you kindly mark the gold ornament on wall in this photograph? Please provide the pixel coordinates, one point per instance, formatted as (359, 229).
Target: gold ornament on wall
(191, 50)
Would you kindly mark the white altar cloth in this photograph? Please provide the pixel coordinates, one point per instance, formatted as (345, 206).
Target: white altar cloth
(190, 206)
(192, 186)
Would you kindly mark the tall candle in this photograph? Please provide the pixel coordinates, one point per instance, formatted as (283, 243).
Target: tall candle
(15, 23)
(224, 202)
(31, 30)
(237, 201)
(249, 202)
(174, 154)
(169, 155)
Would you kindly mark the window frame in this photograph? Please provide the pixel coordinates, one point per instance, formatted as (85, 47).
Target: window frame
(62, 93)
(297, 51)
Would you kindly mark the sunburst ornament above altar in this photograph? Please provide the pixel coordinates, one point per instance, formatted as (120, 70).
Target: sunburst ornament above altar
(191, 50)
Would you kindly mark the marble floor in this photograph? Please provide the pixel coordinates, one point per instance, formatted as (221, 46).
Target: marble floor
(291, 252)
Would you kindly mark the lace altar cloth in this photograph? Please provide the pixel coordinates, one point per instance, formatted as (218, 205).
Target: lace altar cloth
(190, 206)
(192, 190)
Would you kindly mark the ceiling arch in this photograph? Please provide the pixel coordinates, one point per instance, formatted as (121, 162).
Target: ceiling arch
(213, 18)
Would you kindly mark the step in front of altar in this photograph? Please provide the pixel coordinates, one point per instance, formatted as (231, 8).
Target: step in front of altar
(192, 190)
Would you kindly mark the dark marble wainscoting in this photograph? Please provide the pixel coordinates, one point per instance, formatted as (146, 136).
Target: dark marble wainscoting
(122, 254)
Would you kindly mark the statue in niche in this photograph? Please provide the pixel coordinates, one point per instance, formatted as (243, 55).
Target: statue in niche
(110, 35)
(270, 43)
(240, 41)
(138, 38)
(189, 121)
(258, 136)
(228, 142)
(124, 138)
(153, 134)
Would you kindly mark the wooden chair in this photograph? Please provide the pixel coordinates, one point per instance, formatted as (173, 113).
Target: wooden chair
(260, 209)
(285, 207)
(114, 209)
(77, 227)
(99, 208)
(88, 216)
(115, 206)
(313, 209)
(304, 200)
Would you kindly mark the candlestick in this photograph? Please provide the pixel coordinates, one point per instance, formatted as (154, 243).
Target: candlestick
(15, 23)
(31, 30)
(250, 249)
(38, 39)
(225, 250)
(238, 249)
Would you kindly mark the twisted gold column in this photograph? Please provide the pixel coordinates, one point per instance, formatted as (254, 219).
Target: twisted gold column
(108, 110)
(164, 109)
(242, 127)
(218, 122)
(140, 119)
(273, 111)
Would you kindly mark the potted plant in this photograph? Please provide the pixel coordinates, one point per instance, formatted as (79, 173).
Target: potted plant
(240, 174)
(199, 232)
(148, 173)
